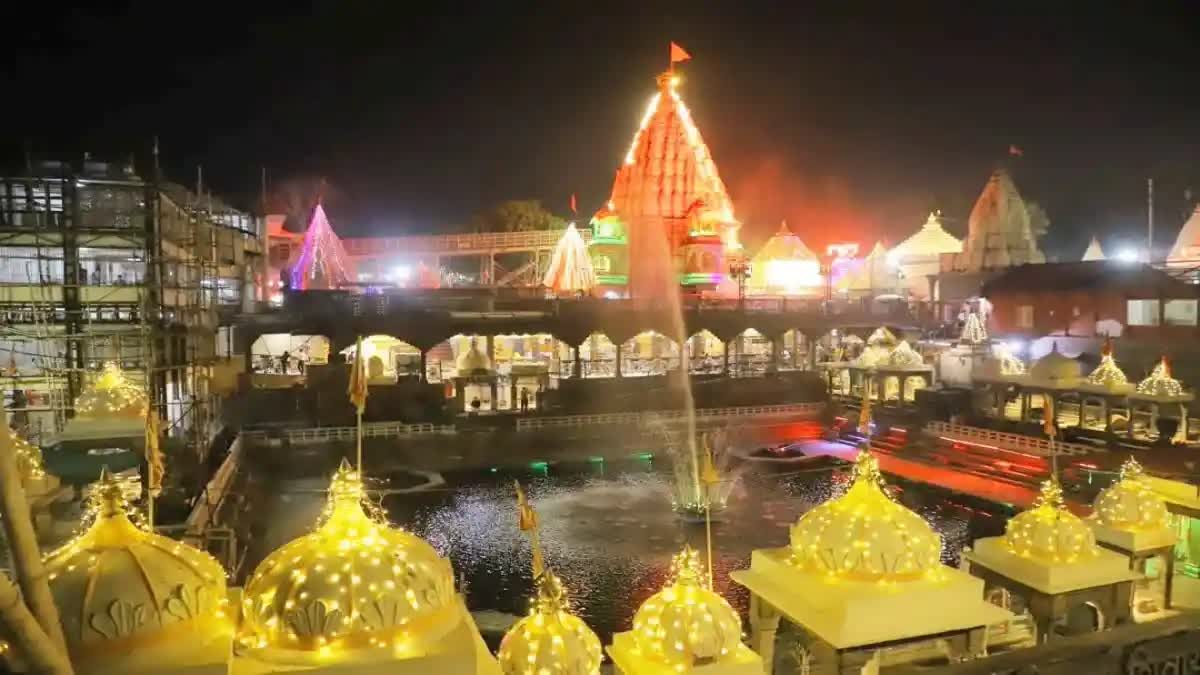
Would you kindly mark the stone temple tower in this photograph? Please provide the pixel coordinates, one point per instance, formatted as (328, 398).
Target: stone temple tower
(998, 231)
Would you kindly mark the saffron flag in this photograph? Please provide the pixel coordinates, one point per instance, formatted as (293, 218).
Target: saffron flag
(154, 458)
(679, 54)
(358, 380)
(1015, 151)
(708, 471)
(1048, 417)
(526, 516)
(574, 209)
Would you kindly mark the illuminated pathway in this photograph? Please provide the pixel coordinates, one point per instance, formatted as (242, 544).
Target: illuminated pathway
(977, 486)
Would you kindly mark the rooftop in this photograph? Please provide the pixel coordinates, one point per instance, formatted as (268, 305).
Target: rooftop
(1089, 276)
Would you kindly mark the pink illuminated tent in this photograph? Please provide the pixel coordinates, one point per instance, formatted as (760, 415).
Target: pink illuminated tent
(570, 268)
(323, 263)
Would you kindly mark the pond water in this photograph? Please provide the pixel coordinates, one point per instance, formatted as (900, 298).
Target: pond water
(609, 531)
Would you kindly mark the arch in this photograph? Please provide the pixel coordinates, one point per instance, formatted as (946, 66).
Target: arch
(649, 353)
(795, 346)
(267, 352)
(748, 354)
(442, 357)
(706, 353)
(598, 356)
(388, 358)
(1085, 617)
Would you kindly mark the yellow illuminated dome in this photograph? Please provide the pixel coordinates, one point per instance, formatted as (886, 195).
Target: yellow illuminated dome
(471, 361)
(121, 589)
(111, 395)
(550, 640)
(1108, 373)
(1131, 504)
(29, 456)
(686, 623)
(865, 535)
(1160, 383)
(1055, 369)
(352, 583)
(904, 356)
(1048, 532)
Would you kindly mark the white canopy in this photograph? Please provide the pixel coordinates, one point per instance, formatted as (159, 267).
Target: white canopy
(570, 267)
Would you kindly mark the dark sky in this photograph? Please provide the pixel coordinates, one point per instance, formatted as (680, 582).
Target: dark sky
(852, 123)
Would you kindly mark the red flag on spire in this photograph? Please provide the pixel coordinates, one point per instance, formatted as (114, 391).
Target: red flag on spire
(573, 206)
(1015, 151)
(679, 54)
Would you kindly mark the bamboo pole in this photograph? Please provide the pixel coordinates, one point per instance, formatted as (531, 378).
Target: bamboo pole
(27, 636)
(23, 546)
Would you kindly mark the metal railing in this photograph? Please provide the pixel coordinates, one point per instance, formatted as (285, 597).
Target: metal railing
(667, 416)
(371, 430)
(457, 243)
(1006, 441)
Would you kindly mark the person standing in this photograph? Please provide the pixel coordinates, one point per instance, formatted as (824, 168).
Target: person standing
(524, 400)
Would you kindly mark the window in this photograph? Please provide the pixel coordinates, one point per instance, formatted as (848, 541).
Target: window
(602, 263)
(1143, 312)
(1180, 312)
(1024, 316)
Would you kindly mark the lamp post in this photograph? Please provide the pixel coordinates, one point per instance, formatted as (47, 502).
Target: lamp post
(739, 269)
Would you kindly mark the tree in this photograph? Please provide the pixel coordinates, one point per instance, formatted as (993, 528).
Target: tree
(1039, 221)
(517, 215)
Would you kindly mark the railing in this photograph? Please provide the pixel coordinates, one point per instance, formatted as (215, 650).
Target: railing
(372, 430)
(208, 506)
(454, 243)
(1006, 441)
(666, 416)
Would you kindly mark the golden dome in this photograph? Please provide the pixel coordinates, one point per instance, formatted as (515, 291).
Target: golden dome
(882, 337)
(1055, 369)
(686, 623)
(354, 582)
(29, 456)
(872, 356)
(1048, 532)
(1160, 383)
(111, 395)
(550, 640)
(471, 361)
(904, 356)
(865, 535)
(1107, 374)
(1131, 504)
(119, 587)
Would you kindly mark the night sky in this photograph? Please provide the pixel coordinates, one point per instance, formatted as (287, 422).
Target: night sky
(852, 124)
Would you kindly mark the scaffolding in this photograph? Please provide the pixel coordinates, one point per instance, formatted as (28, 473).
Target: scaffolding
(99, 265)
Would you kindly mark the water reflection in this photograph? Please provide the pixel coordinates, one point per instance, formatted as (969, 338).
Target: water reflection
(609, 531)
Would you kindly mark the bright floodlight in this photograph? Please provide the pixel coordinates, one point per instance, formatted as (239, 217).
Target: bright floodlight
(1015, 346)
(1127, 255)
(401, 273)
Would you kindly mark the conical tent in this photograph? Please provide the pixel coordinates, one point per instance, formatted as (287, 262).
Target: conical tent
(1094, 252)
(323, 263)
(570, 267)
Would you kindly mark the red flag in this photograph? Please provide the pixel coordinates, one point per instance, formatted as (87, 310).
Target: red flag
(1015, 151)
(679, 54)
(573, 206)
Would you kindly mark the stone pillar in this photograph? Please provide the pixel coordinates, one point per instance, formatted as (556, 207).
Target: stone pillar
(421, 374)
(776, 351)
(577, 367)
(620, 348)
(764, 623)
(492, 385)
(1024, 406)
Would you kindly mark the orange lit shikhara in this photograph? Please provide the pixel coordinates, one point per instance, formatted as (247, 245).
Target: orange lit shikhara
(864, 535)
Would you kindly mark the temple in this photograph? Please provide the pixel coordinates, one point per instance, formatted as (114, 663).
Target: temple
(998, 232)
(323, 262)
(1187, 243)
(670, 202)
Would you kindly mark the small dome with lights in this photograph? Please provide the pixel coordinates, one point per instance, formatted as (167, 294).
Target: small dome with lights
(29, 456)
(120, 588)
(472, 361)
(1055, 369)
(1131, 504)
(353, 583)
(904, 356)
(1108, 374)
(882, 337)
(687, 624)
(111, 395)
(1159, 383)
(1048, 532)
(550, 639)
(865, 535)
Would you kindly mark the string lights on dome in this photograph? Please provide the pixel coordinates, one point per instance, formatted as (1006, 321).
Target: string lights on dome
(904, 356)
(1160, 383)
(686, 623)
(1048, 532)
(1108, 373)
(865, 535)
(111, 394)
(973, 332)
(1131, 504)
(353, 583)
(29, 456)
(550, 639)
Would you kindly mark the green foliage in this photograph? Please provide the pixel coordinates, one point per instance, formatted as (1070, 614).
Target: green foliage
(517, 215)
